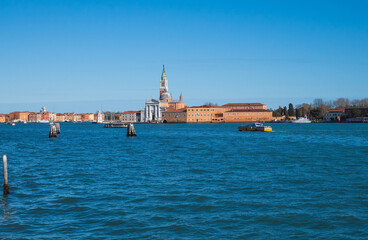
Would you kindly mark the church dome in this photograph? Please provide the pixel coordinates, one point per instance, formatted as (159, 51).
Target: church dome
(165, 96)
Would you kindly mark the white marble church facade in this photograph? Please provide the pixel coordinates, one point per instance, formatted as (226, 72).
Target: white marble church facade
(152, 111)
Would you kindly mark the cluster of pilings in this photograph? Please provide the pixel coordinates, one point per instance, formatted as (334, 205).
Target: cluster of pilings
(54, 130)
(131, 131)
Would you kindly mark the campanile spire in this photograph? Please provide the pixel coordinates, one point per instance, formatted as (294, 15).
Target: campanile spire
(164, 85)
(163, 75)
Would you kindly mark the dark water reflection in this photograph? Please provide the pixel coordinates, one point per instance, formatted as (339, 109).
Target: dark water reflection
(204, 181)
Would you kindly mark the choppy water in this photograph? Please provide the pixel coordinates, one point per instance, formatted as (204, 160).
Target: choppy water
(182, 181)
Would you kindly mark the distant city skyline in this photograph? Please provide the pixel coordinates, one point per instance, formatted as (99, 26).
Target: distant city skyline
(82, 56)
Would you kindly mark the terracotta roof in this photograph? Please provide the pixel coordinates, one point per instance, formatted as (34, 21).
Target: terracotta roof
(174, 111)
(336, 110)
(20, 112)
(131, 112)
(206, 106)
(249, 110)
(244, 104)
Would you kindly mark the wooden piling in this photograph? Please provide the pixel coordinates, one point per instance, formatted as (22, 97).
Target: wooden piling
(5, 171)
(57, 125)
(52, 131)
(131, 131)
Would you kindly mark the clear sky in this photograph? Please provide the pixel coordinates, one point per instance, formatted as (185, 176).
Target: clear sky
(83, 55)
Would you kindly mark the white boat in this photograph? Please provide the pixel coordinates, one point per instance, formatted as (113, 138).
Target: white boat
(43, 121)
(302, 120)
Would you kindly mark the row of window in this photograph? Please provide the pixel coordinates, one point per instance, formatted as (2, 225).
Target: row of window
(202, 114)
(172, 114)
(201, 110)
(206, 119)
(252, 113)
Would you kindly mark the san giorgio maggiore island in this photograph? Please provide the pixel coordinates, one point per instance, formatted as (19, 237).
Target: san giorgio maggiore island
(167, 110)
(162, 110)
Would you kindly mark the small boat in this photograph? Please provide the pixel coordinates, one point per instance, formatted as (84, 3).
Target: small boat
(255, 127)
(302, 120)
(115, 125)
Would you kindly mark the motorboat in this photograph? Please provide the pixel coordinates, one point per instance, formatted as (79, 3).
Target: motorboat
(302, 120)
(255, 127)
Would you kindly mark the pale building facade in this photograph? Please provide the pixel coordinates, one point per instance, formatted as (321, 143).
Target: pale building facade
(131, 116)
(152, 111)
(333, 115)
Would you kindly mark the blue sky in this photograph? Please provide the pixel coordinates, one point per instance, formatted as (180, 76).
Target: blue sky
(85, 55)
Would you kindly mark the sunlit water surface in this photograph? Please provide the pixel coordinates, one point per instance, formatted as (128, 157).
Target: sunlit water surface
(183, 181)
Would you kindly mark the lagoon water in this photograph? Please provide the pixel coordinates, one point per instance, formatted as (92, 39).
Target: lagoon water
(186, 181)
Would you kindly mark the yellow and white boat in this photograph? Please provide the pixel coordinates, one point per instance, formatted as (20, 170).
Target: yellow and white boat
(255, 127)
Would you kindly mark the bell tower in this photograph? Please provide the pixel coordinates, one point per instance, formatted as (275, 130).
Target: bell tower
(164, 86)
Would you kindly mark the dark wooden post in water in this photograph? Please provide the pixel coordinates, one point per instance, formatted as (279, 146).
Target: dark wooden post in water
(57, 125)
(52, 132)
(5, 170)
(131, 131)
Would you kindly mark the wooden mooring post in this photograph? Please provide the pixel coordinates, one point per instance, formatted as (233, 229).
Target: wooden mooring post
(131, 131)
(57, 125)
(5, 171)
(52, 131)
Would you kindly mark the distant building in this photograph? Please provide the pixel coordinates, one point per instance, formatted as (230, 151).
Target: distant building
(252, 115)
(154, 108)
(2, 118)
(99, 117)
(69, 117)
(206, 114)
(43, 110)
(216, 114)
(175, 116)
(60, 117)
(87, 117)
(18, 116)
(173, 104)
(76, 118)
(152, 111)
(131, 116)
(333, 115)
(34, 117)
(246, 106)
(165, 96)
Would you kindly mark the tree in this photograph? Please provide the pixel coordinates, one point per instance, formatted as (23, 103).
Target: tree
(316, 113)
(210, 104)
(299, 112)
(356, 112)
(291, 110)
(317, 103)
(276, 113)
(360, 102)
(305, 108)
(285, 111)
(341, 103)
(364, 102)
